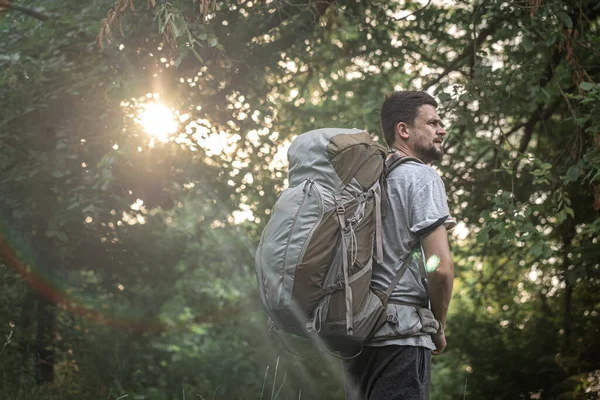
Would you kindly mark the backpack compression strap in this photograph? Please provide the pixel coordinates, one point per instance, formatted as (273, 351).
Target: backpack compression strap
(402, 270)
(340, 210)
(378, 227)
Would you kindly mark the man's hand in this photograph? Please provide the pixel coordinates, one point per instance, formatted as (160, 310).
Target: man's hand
(439, 340)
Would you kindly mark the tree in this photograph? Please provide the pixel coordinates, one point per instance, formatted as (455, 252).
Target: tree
(131, 241)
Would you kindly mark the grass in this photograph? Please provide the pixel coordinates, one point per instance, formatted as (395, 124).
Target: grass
(7, 342)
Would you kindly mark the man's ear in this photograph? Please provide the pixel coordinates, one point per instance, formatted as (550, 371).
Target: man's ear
(401, 130)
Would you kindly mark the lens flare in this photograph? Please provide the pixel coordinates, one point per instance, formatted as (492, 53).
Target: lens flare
(15, 253)
(432, 263)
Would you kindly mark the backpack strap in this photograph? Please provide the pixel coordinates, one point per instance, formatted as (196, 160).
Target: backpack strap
(378, 224)
(402, 270)
(395, 160)
(340, 210)
(390, 164)
(399, 274)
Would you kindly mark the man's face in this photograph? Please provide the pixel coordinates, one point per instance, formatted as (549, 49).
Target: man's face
(426, 135)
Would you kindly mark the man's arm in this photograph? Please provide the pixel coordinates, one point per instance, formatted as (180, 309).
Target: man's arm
(440, 280)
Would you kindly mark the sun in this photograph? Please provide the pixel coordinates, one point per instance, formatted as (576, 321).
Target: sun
(158, 121)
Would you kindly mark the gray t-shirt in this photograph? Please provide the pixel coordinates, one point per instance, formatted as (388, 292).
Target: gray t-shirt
(417, 205)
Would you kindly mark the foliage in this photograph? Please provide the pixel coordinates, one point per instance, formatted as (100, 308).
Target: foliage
(127, 259)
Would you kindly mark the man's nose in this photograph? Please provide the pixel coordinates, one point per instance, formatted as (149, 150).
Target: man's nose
(441, 131)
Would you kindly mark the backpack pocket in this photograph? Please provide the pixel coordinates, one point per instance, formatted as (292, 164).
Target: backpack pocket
(429, 324)
(401, 321)
(295, 216)
(360, 283)
(368, 313)
(405, 321)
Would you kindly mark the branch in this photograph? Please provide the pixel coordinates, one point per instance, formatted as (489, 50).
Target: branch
(264, 53)
(491, 28)
(414, 12)
(262, 25)
(424, 56)
(6, 5)
(538, 115)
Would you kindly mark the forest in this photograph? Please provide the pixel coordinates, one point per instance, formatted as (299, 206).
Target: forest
(143, 144)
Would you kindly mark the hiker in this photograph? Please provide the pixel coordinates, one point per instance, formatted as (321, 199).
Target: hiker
(396, 362)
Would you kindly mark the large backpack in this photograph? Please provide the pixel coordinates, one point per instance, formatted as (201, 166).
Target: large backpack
(315, 257)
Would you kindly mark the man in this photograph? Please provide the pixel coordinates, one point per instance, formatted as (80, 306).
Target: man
(393, 366)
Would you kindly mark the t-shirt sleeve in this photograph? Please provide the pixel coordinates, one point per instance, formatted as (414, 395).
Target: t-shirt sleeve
(429, 208)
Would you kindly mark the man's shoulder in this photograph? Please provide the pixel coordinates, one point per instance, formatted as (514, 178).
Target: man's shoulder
(415, 170)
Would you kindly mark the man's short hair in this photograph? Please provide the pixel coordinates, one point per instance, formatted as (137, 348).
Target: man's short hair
(401, 107)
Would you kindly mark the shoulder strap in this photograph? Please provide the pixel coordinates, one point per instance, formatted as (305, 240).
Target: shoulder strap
(395, 160)
(391, 163)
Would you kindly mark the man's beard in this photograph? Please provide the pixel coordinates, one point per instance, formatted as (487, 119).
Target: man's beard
(429, 154)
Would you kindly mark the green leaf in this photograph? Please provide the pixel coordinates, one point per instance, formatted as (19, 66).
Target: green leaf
(566, 19)
(550, 40)
(212, 42)
(527, 44)
(196, 54)
(443, 97)
(570, 212)
(562, 216)
(168, 18)
(179, 58)
(587, 86)
(545, 92)
(536, 250)
(198, 330)
(573, 173)
(483, 236)
(62, 236)
(178, 25)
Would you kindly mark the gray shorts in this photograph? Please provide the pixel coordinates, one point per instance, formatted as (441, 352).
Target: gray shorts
(388, 373)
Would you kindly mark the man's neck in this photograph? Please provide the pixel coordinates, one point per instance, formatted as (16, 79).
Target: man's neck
(404, 151)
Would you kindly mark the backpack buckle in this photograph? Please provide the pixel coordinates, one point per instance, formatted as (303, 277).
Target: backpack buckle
(334, 287)
(340, 209)
(392, 319)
